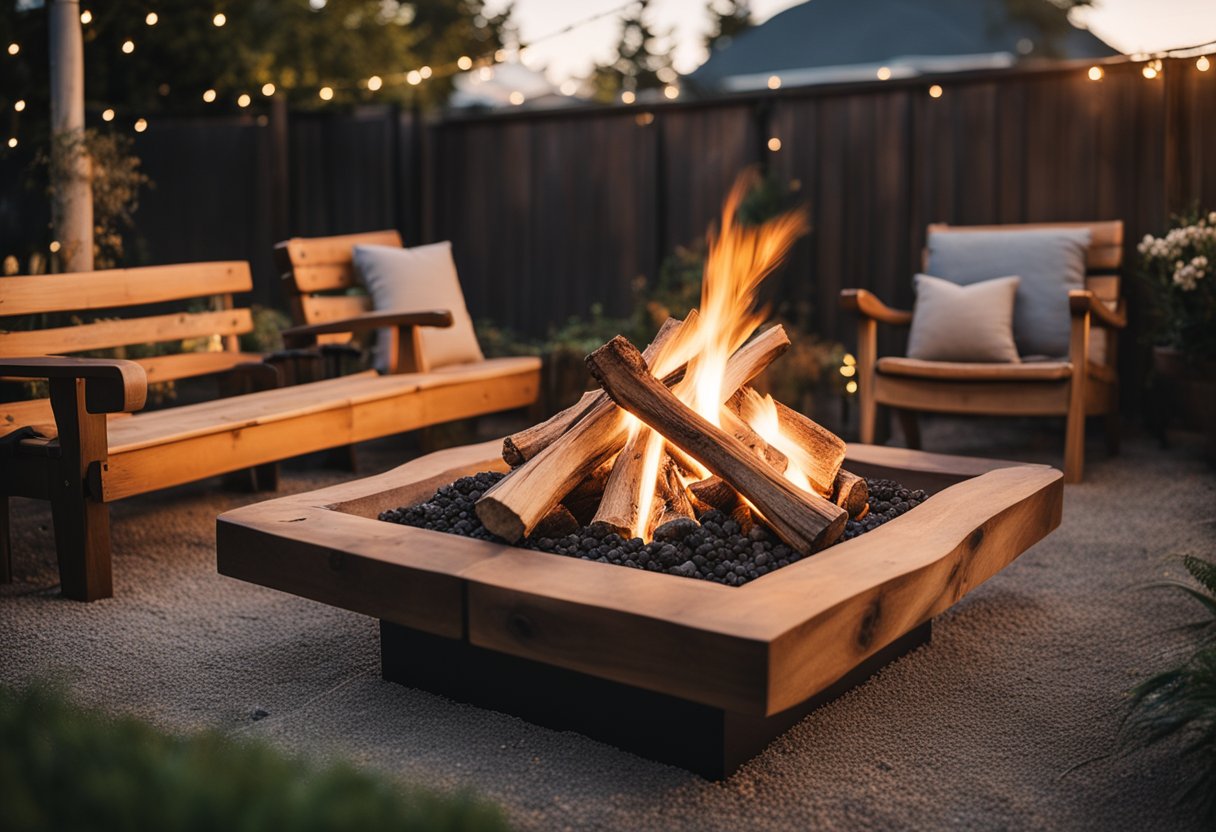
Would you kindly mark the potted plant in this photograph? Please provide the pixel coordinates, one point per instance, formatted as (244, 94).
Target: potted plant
(1178, 268)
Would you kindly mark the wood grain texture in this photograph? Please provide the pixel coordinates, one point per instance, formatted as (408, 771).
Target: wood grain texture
(114, 288)
(754, 649)
(319, 264)
(119, 333)
(113, 385)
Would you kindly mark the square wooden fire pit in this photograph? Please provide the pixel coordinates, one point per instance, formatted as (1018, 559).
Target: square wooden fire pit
(686, 671)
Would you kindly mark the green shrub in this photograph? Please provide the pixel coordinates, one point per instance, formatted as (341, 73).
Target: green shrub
(1179, 704)
(65, 768)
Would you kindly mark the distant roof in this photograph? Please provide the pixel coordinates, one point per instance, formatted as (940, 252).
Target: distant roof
(833, 40)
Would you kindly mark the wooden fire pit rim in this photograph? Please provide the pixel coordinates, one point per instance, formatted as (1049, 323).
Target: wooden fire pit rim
(343, 520)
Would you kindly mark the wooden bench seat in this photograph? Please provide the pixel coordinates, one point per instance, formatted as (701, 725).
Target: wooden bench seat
(89, 448)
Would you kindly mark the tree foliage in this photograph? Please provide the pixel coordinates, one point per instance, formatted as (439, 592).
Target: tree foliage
(297, 45)
(643, 58)
(728, 19)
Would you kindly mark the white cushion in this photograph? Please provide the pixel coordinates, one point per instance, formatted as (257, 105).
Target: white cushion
(417, 279)
(963, 323)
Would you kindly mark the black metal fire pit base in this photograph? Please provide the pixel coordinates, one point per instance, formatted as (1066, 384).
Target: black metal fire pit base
(708, 741)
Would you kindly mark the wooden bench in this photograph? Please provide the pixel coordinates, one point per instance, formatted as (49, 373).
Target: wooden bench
(1083, 383)
(98, 451)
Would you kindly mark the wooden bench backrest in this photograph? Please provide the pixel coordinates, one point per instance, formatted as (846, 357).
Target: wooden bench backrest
(318, 272)
(90, 294)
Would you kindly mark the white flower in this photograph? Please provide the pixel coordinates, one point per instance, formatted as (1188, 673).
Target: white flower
(1212, 218)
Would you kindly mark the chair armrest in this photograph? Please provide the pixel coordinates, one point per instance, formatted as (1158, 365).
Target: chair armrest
(370, 320)
(864, 302)
(1081, 301)
(112, 385)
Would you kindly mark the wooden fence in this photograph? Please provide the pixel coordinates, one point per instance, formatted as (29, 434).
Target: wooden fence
(552, 212)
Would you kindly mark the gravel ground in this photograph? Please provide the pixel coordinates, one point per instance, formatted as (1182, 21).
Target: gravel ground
(1006, 721)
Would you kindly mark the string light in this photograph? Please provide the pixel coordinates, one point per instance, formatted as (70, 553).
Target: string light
(268, 89)
(326, 93)
(464, 62)
(884, 73)
(569, 87)
(128, 46)
(628, 97)
(1150, 70)
(19, 105)
(107, 114)
(500, 55)
(774, 82)
(1203, 64)
(54, 246)
(935, 91)
(774, 144)
(243, 100)
(516, 98)
(848, 370)
(425, 72)
(671, 91)
(12, 142)
(86, 17)
(1096, 73)
(141, 124)
(220, 19)
(14, 48)
(486, 73)
(152, 18)
(375, 82)
(413, 77)
(851, 387)
(209, 96)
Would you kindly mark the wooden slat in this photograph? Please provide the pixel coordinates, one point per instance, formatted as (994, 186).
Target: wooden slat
(975, 371)
(320, 309)
(113, 288)
(119, 333)
(320, 264)
(1030, 398)
(191, 364)
(1105, 245)
(149, 452)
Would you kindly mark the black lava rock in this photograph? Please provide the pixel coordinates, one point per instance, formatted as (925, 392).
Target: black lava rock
(715, 549)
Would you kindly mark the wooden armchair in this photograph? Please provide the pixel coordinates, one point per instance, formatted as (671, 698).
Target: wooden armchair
(1084, 384)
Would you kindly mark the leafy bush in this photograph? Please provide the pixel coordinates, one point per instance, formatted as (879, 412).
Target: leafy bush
(1177, 268)
(64, 768)
(1179, 704)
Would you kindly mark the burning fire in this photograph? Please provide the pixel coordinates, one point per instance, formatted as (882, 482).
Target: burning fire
(740, 258)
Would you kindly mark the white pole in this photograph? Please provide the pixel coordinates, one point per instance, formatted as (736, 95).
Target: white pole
(72, 209)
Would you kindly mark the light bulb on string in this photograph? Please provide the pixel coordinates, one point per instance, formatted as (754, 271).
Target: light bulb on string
(375, 82)
(12, 142)
(326, 93)
(86, 17)
(413, 77)
(128, 46)
(268, 89)
(935, 91)
(1203, 64)
(425, 72)
(209, 96)
(516, 98)
(19, 105)
(141, 124)
(152, 18)
(464, 62)
(243, 100)
(219, 20)
(14, 48)
(1096, 73)
(107, 114)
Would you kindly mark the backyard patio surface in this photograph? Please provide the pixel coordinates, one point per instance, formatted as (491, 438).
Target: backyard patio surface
(1007, 720)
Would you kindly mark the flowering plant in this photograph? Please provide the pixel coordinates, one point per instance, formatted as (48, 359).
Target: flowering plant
(1179, 267)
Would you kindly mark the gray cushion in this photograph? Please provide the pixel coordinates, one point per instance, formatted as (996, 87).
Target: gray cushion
(1050, 262)
(416, 279)
(963, 323)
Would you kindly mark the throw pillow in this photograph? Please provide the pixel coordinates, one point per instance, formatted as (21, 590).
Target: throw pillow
(1050, 262)
(416, 279)
(963, 323)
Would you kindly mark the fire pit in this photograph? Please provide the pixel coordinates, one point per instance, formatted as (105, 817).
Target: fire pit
(689, 672)
(681, 469)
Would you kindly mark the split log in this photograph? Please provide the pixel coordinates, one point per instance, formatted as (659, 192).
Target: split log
(671, 498)
(557, 523)
(715, 493)
(619, 509)
(585, 498)
(851, 493)
(805, 521)
(517, 502)
(519, 447)
(736, 427)
(824, 450)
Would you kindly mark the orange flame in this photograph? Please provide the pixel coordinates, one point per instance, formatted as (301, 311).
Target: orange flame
(740, 257)
(760, 412)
